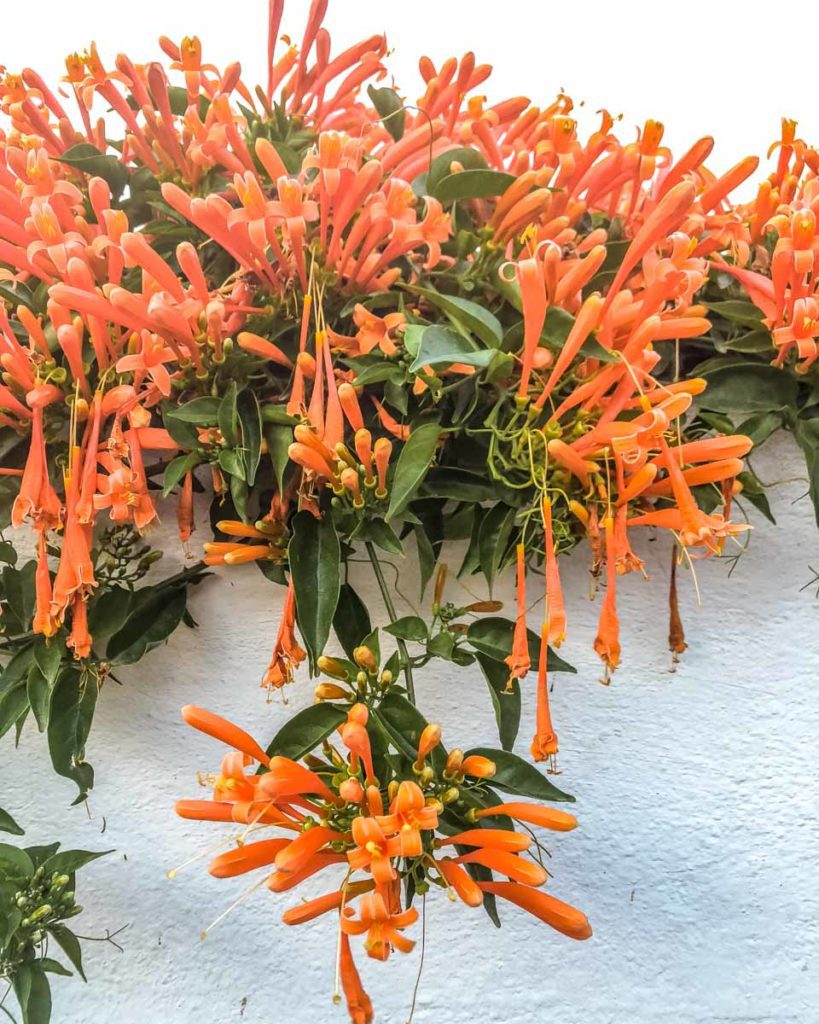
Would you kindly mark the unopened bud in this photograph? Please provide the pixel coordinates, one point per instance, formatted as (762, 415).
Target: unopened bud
(364, 658)
(329, 691)
(351, 790)
(479, 767)
(332, 667)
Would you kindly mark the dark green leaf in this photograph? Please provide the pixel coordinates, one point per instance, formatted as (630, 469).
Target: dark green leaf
(514, 775)
(505, 693)
(383, 535)
(15, 862)
(71, 711)
(493, 540)
(87, 158)
(748, 387)
(410, 627)
(426, 557)
(760, 427)
(441, 346)
(13, 704)
(390, 109)
(467, 314)
(738, 311)
(149, 624)
(404, 724)
(279, 437)
(413, 463)
(8, 552)
(38, 693)
(227, 415)
(493, 635)
(250, 420)
(54, 967)
(8, 824)
(66, 862)
(177, 469)
(306, 730)
(315, 558)
(441, 166)
(477, 184)
(351, 621)
(203, 412)
(70, 945)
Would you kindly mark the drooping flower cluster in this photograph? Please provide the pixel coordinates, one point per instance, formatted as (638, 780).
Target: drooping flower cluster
(388, 830)
(350, 319)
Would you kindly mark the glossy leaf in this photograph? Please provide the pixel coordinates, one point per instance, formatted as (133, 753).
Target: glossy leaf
(493, 540)
(441, 346)
(351, 621)
(505, 693)
(85, 157)
(492, 636)
(306, 730)
(70, 945)
(441, 166)
(515, 775)
(71, 711)
(409, 627)
(315, 561)
(471, 316)
(8, 824)
(413, 462)
(748, 387)
(227, 415)
(66, 862)
(478, 184)
(203, 412)
(149, 623)
(250, 420)
(390, 109)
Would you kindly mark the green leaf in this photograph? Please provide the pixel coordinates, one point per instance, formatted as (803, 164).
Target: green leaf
(753, 491)
(19, 589)
(203, 412)
(807, 434)
(227, 415)
(33, 993)
(54, 967)
(250, 420)
(390, 109)
(505, 693)
(8, 824)
(150, 623)
(426, 556)
(514, 775)
(351, 620)
(66, 862)
(383, 535)
(753, 343)
(493, 635)
(70, 945)
(279, 437)
(404, 724)
(738, 311)
(467, 314)
(15, 862)
(8, 553)
(493, 540)
(441, 346)
(748, 387)
(38, 693)
(457, 484)
(409, 627)
(478, 184)
(178, 468)
(413, 463)
(441, 166)
(556, 326)
(760, 426)
(87, 158)
(306, 730)
(13, 704)
(314, 554)
(49, 656)
(71, 711)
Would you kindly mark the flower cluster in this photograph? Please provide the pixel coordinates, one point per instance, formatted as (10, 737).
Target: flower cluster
(386, 828)
(353, 323)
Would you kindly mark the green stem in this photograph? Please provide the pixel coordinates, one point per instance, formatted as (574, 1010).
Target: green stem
(385, 594)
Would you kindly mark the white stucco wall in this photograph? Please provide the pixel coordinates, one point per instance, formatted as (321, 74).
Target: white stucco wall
(697, 794)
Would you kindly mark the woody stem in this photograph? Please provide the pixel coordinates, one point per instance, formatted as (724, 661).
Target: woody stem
(385, 594)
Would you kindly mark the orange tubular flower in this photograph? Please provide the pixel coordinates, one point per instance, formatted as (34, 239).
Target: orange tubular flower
(560, 916)
(221, 729)
(359, 1006)
(607, 641)
(505, 863)
(535, 814)
(461, 881)
(382, 928)
(519, 661)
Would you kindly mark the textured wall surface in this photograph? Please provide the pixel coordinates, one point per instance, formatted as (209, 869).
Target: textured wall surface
(697, 793)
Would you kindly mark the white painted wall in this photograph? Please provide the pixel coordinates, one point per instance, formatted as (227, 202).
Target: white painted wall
(697, 794)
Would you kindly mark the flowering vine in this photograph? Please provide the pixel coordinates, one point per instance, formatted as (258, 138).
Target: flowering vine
(359, 324)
